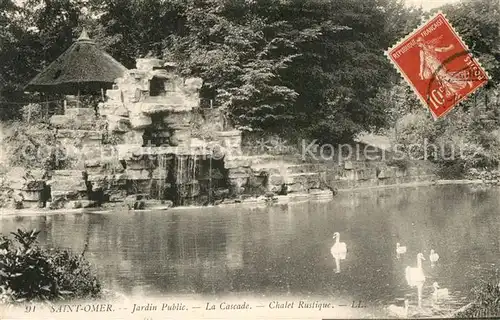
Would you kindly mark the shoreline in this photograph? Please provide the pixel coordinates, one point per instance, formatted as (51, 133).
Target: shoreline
(417, 184)
(323, 195)
(455, 313)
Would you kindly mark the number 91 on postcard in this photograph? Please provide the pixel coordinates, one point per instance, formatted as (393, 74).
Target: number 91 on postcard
(438, 66)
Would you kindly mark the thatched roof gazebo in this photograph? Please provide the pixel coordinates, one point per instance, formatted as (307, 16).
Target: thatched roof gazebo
(82, 69)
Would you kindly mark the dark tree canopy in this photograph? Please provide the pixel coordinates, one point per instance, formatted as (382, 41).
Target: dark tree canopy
(299, 68)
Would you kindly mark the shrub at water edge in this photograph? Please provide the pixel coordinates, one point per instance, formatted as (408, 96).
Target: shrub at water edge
(486, 303)
(31, 273)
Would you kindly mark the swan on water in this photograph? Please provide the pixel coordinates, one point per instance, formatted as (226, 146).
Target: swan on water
(338, 248)
(439, 293)
(400, 312)
(338, 251)
(433, 257)
(415, 276)
(400, 249)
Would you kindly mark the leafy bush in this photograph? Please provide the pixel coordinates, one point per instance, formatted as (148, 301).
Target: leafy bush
(486, 302)
(4, 189)
(34, 113)
(31, 142)
(206, 127)
(31, 145)
(402, 164)
(28, 272)
(468, 137)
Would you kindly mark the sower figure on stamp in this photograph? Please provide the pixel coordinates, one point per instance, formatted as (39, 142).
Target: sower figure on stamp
(430, 65)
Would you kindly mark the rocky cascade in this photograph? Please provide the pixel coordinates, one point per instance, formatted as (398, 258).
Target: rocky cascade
(151, 145)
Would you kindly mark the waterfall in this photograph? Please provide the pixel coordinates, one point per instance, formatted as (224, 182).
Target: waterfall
(162, 165)
(179, 181)
(185, 178)
(193, 177)
(210, 180)
(283, 171)
(179, 170)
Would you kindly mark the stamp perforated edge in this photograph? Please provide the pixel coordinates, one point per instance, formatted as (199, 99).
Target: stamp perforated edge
(409, 83)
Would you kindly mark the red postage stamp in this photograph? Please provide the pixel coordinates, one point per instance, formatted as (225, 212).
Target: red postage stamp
(437, 64)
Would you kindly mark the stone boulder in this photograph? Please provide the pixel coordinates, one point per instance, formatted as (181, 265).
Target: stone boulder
(387, 172)
(171, 103)
(83, 113)
(113, 109)
(118, 123)
(23, 188)
(148, 63)
(79, 137)
(139, 121)
(67, 185)
(231, 141)
(114, 95)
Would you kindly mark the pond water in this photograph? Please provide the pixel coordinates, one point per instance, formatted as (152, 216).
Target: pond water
(282, 250)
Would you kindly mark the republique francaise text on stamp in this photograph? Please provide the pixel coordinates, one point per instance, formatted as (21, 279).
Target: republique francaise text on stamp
(438, 66)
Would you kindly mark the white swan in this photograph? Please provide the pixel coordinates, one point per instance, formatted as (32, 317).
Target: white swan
(433, 257)
(415, 276)
(400, 249)
(400, 312)
(439, 293)
(338, 248)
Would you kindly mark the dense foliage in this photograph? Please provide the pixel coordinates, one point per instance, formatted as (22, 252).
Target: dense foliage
(478, 22)
(31, 143)
(308, 68)
(468, 137)
(297, 69)
(31, 273)
(486, 303)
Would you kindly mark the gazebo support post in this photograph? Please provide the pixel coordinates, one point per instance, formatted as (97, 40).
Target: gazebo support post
(46, 107)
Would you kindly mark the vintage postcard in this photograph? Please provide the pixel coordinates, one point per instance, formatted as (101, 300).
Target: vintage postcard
(210, 159)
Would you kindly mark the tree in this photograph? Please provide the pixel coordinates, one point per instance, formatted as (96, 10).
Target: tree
(239, 52)
(307, 68)
(342, 70)
(478, 23)
(303, 68)
(137, 28)
(10, 34)
(40, 30)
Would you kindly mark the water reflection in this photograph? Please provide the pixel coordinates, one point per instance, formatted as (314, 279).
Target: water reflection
(337, 257)
(286, 249)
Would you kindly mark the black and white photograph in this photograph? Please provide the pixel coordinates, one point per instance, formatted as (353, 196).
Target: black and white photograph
(249, 159)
